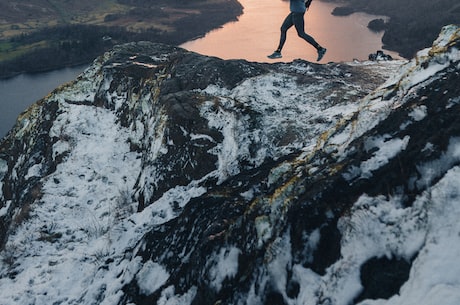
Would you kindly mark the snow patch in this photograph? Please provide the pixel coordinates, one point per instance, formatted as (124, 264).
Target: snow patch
(3, 168)
(4, 210)
(225, 266)
(168, 206)
(453, 102)
(418, 113)
(263, 229)
(168, 297)
(151, 277)
(3, 171)
(433, 169)
(434, 274)
(376, 227)
(34, 171)
(227, 123)
(279, 261)
(386, 150)
(71, 232)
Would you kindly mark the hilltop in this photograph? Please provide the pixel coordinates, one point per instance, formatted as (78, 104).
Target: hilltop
(161, 176)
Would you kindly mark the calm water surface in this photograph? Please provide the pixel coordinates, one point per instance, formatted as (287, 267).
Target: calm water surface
(256, 34)
(18, 93)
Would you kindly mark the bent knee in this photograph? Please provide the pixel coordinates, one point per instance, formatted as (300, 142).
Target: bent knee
(301, 34)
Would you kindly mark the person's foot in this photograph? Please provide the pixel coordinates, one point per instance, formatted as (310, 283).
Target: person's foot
(275, 55)
(321, 52)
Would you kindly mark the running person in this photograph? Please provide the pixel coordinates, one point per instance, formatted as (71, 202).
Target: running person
(296, 18)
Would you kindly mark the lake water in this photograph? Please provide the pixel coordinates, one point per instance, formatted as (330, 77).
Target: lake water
(256, 34)
(18, 93)
(252, 37)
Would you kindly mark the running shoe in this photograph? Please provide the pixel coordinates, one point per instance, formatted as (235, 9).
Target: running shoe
(275, 55)
(321, 52)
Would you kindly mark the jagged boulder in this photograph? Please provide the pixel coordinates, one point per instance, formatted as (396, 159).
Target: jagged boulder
(379, 55)
(161, 176)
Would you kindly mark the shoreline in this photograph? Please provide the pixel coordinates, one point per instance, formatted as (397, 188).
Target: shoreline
(51, 69)
(410, 27)
(210, 17)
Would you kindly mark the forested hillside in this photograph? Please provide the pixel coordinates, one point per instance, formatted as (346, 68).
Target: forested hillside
(37, 35)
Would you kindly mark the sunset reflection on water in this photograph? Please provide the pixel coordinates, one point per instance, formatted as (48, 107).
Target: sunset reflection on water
(256, 34)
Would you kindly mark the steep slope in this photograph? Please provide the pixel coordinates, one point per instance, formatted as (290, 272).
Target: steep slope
(164, 177)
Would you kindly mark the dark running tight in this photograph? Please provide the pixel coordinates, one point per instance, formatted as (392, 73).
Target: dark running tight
(295, 19)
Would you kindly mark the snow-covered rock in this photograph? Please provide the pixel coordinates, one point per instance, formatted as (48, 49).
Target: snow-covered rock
(161, 176)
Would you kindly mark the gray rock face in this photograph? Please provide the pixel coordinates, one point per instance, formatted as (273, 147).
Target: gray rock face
(161, 176)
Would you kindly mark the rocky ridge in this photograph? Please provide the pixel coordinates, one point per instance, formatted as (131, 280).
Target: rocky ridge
(161, 176)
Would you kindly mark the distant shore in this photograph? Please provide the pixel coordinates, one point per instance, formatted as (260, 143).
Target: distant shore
(71, 45)
(412, 25)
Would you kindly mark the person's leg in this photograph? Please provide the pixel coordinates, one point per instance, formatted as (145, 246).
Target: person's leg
(287, 24)
(299, 23)
(298, 20)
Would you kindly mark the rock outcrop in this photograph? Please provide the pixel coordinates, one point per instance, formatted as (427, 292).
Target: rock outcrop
(161, 176)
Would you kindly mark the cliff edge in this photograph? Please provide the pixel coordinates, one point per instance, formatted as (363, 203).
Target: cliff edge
(161, 176)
